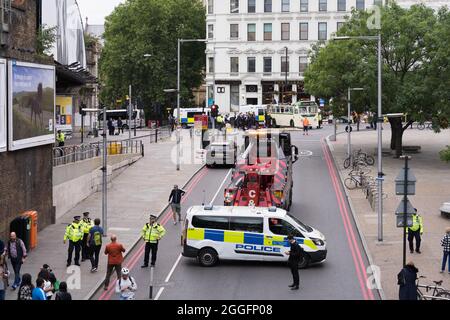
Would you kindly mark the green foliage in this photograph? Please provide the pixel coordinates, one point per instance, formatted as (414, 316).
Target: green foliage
(45, 39)
(416, 64)
(90, 40)
(445, 154)
(139, 27)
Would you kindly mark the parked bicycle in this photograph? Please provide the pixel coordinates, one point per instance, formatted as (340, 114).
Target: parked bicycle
(357, 179)
(437, 292)
(423, 125)
(359, 157)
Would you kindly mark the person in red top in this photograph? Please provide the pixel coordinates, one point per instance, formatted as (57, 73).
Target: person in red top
(114, 251)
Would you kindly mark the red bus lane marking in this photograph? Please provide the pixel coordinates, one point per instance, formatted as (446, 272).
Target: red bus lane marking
(135, 258)
(352, 245)
(347, 216)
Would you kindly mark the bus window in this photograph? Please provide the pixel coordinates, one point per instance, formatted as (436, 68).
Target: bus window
(282, 227)
(296, 110)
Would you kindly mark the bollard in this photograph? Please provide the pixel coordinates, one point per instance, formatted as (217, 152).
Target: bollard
(151, 283)
(156, 135)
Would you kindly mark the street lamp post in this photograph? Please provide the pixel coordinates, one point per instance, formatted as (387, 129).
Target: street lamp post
(349, 139)
(380, 177)
(286, 76)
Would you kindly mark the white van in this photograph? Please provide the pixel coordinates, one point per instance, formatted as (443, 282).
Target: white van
(247, 233)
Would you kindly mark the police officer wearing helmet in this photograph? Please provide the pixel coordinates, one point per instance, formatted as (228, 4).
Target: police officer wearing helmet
(86, 225)
(152, 233)
(74, 234)
(415, 231)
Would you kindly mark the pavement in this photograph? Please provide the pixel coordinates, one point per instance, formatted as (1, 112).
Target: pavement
(433, 179)
(139, 191)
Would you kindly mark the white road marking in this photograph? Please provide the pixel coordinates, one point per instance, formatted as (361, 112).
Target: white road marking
(221, 186)
(159, 293)
(173, 269)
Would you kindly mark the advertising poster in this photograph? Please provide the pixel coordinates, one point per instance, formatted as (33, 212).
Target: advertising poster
(64, 112)
(31, 105)
(3, 121)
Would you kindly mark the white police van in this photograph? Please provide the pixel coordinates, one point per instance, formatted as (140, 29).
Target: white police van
(247, 233)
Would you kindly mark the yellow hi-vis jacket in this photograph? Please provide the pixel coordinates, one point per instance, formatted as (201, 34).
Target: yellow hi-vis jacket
(60, 137)
(153, 233)
(87, 224)
(417, 223)
(74, 232)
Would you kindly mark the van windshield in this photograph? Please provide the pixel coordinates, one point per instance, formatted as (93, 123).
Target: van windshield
(301, 224)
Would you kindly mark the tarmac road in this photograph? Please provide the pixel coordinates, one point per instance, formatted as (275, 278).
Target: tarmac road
(317, 201)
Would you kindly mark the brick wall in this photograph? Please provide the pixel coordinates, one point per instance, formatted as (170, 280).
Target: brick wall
(25, 175)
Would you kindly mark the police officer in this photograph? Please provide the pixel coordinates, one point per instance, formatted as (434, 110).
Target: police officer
(60, 137)
(152, 233)
(74, 233)
(294, 258)
(415, 231)
(86, 225)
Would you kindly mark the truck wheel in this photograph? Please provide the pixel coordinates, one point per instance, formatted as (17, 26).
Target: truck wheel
(304, 262)
(208, 257)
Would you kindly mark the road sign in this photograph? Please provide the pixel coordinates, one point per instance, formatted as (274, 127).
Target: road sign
(401, 218)
(401, 208)
(322, 102)
(400, 183)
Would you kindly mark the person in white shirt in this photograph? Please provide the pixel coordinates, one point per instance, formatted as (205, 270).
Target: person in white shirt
(126, 285)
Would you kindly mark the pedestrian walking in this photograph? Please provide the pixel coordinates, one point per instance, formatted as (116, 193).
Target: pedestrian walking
(17, 254)
(114, 252)
(95, 241)
(74, 234)
(126, 285)
(38, 292)
(26, 288)
(415, 232)
(62, 293)
(151, 233)
(4, 274)
(86, 225)
(319, 118)
(305, 122)
(175, 202)
(120, 125)
(406, 279)
(60, 138)
(445, 243)
(295, 255)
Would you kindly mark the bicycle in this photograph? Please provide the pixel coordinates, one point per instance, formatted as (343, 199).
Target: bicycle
(423, 125)
(355, 180)
(359, 156)
(438, 293)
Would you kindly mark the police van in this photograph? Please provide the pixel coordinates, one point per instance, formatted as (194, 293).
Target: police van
(247, 233)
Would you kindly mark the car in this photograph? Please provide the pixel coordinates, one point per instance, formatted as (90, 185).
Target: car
(445, 209)
(221, 154)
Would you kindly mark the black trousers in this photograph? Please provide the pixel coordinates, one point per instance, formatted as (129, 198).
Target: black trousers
(411, 236)
(153, 247)
(293, 265)
(109, 270)
(84, 248)
(77, 247)
(94, 255)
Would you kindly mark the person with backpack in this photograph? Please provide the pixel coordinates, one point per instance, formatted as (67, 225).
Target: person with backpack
(126, 285)
(95, 244)
(406, 279)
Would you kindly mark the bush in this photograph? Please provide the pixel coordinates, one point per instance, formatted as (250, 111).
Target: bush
(445, 154)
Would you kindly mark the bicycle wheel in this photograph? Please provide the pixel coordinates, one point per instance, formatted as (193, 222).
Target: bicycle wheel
(370, 160)
(346, 163)
(350, 183)
(443, 294)
(420, 126)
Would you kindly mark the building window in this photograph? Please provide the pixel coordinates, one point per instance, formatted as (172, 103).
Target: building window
(341, 5)
(304, 6)
(360, 5)
(285, 5)
(234, 6)
(234, 95)
(267, 31)
(210, 31)
(211, 65)
(267, 65)
(340, 25)
(210, 6)
(304, 31)
(285, 31)
(322, 31)
(234, 64)
(234, 31)
(378, 3)
(303, 64)
(251, 6)
(251, 64)
(322, 5)
(267, 5)
(284, 64)
(251, 32)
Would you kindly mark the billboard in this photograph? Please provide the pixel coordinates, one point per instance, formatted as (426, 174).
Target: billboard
(3, 122)
(31, 105)
(64, 112)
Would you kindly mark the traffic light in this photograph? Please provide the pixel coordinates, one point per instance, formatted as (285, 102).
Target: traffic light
(82, 112)
(214, 110)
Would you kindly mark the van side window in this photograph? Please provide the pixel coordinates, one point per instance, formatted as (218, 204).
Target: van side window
(247, 224)
(211, 222)
(282, 227)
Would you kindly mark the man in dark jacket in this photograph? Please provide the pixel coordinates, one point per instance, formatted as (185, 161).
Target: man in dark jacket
(407, 282)
(175, 202)
(17, 253)
(294, 258)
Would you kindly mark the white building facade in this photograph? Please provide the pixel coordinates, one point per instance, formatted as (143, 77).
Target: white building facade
(249, 42)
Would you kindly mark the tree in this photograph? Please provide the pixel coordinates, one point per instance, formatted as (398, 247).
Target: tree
(410, 52)
(46, 37)
(139, 27)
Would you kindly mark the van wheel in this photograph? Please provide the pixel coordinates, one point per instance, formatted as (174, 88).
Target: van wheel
(208, 257)
(304, 262)
(292, 123)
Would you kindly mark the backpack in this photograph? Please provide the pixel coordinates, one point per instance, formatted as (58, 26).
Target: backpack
(97, 238)
(131, 279)
(401, 278)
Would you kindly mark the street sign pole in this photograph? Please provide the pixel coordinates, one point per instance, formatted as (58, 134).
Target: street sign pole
(104, 175)
(405, 211)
